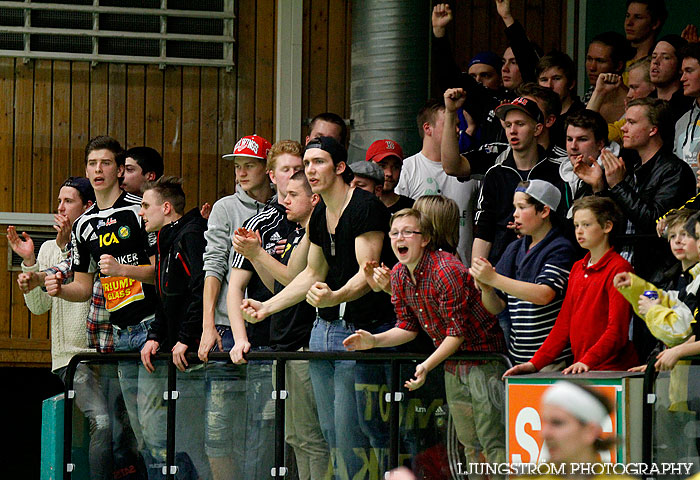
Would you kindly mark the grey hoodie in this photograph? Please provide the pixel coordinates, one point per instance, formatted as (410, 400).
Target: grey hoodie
(227, 214)
(687, 142)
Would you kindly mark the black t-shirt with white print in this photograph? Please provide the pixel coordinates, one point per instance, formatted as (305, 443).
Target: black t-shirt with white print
(120, 232)
(364, 213)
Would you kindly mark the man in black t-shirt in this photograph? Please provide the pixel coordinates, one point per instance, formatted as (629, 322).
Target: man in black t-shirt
(347, 229)
(110, 243)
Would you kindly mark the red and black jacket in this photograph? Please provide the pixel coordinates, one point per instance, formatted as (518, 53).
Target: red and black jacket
(180, 282)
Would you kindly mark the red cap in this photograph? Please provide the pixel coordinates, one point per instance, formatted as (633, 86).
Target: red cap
(251, 146)
(381, 149)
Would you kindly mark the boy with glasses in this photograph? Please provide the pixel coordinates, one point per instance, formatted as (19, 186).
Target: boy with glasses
(433, 290)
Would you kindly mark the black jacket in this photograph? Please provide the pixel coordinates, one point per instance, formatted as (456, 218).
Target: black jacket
(647, 193)
(495, 203)
(180, 282)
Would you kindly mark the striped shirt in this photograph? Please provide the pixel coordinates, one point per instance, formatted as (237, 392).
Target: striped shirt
(273, 226)
(118, 231)
(546, 263)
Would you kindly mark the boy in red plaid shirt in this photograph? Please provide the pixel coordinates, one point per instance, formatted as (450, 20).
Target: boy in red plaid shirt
(434, 291)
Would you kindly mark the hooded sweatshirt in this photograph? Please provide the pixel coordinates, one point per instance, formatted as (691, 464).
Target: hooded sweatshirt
(687, 145)
(226, 216)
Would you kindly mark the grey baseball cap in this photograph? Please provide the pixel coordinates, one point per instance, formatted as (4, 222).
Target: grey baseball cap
(543, 192)
(368, 170)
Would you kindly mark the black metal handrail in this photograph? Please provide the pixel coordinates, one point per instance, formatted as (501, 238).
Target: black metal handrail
(395, 359)
(648, 415)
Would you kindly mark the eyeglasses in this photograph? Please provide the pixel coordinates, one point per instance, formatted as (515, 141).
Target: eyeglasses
(404, 233)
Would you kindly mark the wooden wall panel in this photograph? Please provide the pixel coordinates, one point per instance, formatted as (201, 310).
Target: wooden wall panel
(318, 54)
(338, 57)
(193, 115)
(306, 77)
(80, 127)
(154, 106)
(245, 106)
(60, 129)
(189, 166)
(478, 27)
(264, 68)
(116, 102)
(226, 128)
(135, 105)
(41, 141)
(326, 42)
(172, 120)
(24, 107)
(208, 115)
(99, 88)
(5, 290)
(7, 164)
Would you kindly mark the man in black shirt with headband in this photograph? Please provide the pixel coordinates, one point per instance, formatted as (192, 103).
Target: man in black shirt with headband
(347, 229)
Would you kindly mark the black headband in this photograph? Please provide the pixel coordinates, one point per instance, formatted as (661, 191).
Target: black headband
(330, 145)
(336, 151)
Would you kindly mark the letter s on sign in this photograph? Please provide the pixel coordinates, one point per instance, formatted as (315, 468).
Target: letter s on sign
(527, 416)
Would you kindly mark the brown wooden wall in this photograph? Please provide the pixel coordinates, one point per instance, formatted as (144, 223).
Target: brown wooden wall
(327, 33)
(49, 109)
(477, 26)
(193, 115)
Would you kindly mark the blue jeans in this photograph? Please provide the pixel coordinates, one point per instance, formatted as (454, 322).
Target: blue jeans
(334, 388)
(372, 381)
(240, 414)
(91, 401)
(143, 397)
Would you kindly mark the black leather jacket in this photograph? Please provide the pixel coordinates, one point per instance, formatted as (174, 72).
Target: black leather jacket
(647, 193)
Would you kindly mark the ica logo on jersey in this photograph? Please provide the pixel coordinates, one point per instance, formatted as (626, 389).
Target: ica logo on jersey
(107, 239)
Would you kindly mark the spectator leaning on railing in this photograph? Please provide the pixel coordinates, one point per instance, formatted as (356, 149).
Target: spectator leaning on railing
(433, 290)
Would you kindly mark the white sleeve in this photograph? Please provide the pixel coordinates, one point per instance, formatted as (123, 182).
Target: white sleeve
(37, 300)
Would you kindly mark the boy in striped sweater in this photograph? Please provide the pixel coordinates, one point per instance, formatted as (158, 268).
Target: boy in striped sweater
(529, 280)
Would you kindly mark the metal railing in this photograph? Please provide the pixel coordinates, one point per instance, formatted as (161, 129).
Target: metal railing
(394, 395)
(671, 422)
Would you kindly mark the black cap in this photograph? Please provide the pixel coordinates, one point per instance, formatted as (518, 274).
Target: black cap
(82, 185)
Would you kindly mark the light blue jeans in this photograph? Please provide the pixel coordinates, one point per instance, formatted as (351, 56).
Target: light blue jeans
(334, 388)
(240, 414)
(143, 397)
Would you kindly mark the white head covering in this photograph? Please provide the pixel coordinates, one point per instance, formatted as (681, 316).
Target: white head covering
(577, 401)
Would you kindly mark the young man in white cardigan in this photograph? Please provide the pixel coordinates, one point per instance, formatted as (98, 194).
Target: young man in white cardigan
(68, 336)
